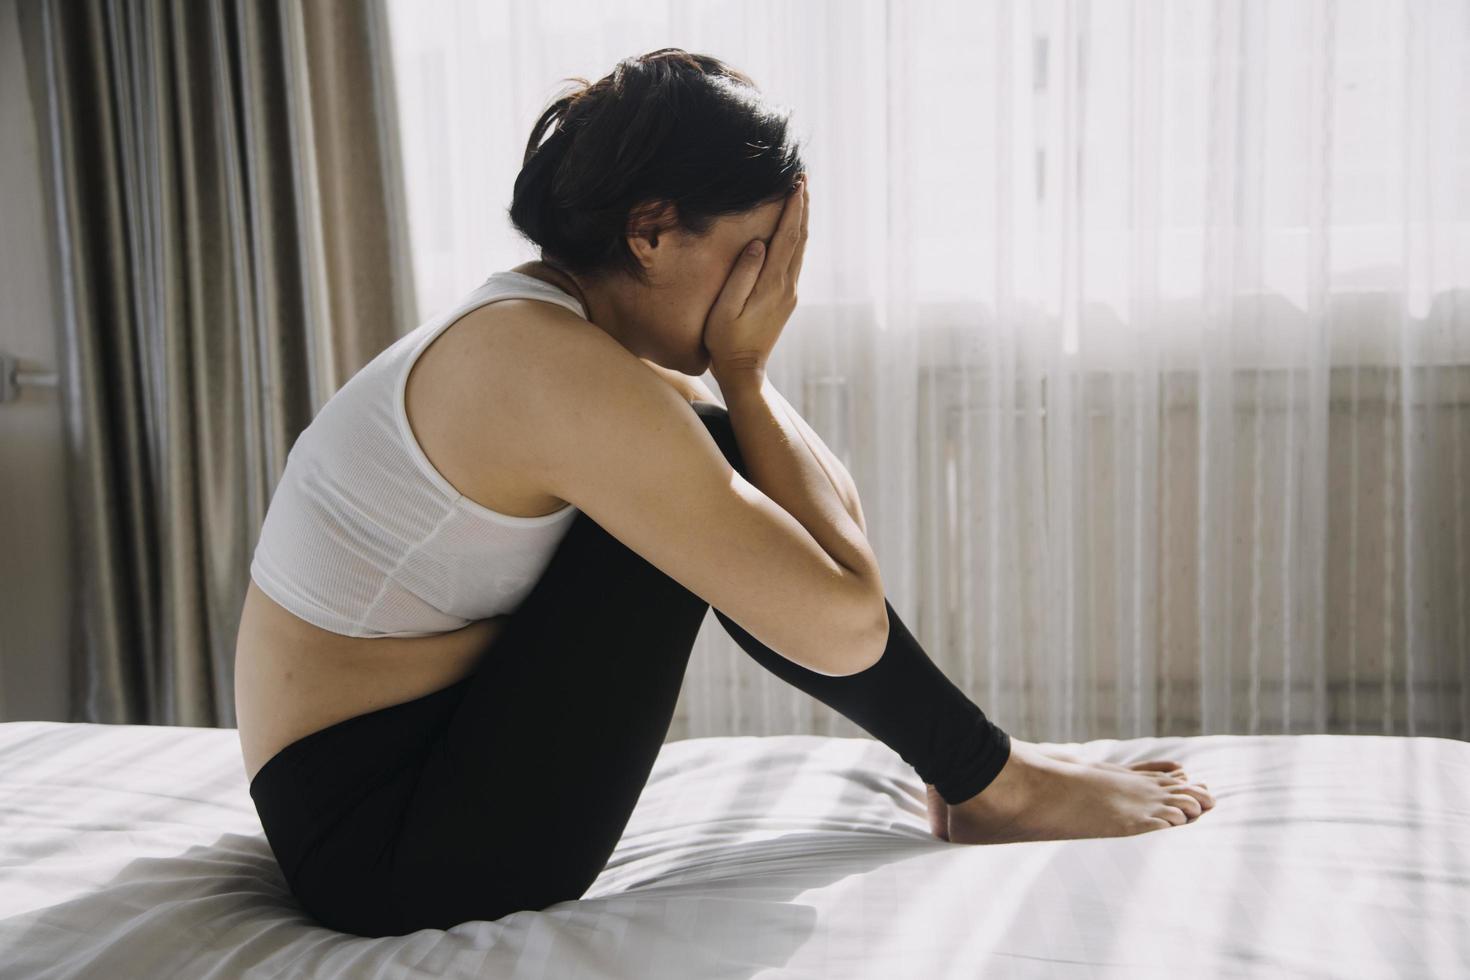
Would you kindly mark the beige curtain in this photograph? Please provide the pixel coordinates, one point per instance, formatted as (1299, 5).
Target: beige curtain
(1141, 326)
(222, 184)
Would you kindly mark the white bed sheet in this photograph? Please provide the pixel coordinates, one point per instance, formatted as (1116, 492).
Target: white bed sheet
(134, 851)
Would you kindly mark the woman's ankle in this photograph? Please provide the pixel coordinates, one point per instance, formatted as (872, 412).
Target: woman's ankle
(1012, 787)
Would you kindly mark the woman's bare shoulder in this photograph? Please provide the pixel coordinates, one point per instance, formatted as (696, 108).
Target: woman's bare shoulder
(469, 394)
(513, 333)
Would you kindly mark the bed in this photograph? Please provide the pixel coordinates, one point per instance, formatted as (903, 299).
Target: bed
(134, 851)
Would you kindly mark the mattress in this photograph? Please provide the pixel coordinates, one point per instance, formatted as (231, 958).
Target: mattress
(134, 851)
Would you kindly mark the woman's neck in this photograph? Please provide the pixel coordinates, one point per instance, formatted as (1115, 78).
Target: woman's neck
(600, 302)
(558, 278)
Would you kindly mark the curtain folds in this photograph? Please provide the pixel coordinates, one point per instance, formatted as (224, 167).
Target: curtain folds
(1142, 326)
(224, 193)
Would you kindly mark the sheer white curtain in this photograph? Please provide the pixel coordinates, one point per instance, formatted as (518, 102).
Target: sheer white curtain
(1143, 328)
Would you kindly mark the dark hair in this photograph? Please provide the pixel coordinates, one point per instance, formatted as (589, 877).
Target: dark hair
(667, 126)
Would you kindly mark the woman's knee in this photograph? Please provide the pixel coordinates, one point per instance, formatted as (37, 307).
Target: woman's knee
(716, 419)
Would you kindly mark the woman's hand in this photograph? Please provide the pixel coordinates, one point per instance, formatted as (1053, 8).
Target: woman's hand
(759, 295)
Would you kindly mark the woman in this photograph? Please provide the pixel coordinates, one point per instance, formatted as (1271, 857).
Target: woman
(481, 576)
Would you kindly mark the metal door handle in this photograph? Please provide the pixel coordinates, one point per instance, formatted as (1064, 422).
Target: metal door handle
(12, 379)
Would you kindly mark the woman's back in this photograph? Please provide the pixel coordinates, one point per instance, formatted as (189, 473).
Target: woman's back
(376, 580)
(365, 537)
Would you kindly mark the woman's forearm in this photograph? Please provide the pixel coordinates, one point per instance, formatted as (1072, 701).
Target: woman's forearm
(784, 466)
(841, 480)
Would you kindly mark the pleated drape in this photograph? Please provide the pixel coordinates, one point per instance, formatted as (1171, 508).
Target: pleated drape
(1143, 327)
(223, 186)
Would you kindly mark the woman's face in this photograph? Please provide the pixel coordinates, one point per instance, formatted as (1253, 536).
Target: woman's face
(686, 275)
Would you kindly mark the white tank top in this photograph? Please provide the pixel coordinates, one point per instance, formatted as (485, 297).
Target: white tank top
(365, 537)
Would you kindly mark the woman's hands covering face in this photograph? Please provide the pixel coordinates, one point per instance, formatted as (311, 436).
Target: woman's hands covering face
(759, 295)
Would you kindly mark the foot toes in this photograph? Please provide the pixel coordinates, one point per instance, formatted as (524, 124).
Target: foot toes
(1159, 765)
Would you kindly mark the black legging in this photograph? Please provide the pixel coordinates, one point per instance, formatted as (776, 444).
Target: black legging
(509, 789)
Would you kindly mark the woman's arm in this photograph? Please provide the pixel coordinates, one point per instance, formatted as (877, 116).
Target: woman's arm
(831, 465)
(836, 473)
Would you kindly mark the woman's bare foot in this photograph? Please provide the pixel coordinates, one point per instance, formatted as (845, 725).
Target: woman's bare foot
(1166, 766)
(939, 809)
(1039, 797)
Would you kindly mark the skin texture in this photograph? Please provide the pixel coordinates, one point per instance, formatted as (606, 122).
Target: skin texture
(1167, 768)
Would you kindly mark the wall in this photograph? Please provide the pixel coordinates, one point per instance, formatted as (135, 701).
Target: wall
(33, 544)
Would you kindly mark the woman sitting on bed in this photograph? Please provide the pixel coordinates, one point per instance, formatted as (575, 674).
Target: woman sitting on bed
(482, 573)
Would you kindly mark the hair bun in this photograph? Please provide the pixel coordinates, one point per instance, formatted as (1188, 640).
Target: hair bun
(667, 125)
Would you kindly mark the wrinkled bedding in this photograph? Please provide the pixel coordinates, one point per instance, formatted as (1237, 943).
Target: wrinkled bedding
(134, 851)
